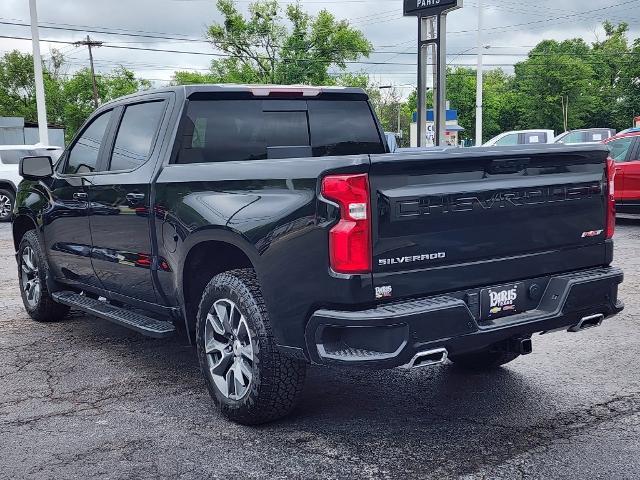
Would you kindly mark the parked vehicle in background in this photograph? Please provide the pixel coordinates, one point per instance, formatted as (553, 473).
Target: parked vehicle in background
(10, 156)
(625, 151)
(392, 141)
(585, 135)
(521, 137)
(629, 130)
(272, 226)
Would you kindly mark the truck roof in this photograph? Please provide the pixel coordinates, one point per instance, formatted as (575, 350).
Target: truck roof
(257, 90)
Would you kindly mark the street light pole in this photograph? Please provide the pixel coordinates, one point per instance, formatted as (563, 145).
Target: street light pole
(479, 80)
(43, 129)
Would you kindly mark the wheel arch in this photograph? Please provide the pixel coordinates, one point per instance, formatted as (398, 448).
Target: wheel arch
(22, 224)
(7, 185)
(208, 254)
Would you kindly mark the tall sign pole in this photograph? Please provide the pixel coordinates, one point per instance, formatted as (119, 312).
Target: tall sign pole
(479, 80)
(432, 38)
(43, 128)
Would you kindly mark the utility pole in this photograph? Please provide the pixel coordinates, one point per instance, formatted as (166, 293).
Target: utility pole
(479, 80)
(43, 128)
(91, 43)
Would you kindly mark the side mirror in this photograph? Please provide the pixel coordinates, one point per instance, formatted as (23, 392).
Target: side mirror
(36, 168)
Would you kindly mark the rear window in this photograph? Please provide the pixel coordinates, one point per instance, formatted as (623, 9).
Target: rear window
(535, 138)
(238, 130)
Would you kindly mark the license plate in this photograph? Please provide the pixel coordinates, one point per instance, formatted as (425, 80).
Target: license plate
(496, 302)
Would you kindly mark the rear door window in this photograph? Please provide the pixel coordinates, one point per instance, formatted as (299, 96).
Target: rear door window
(136, 135)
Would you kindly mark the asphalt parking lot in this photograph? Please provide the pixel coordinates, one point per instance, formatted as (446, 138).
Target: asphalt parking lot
(84, 398)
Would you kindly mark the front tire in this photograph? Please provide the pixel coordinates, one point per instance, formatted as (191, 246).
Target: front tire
(32, 275)
(7, 201)
(485, 360)
(247, 377)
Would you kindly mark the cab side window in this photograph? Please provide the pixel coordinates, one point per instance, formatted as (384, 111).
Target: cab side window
(83, 156)
(136, 134)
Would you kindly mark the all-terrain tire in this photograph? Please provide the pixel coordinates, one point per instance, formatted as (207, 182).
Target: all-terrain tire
(42, 308)
(277, 380)
(6, 211)
(483, 360)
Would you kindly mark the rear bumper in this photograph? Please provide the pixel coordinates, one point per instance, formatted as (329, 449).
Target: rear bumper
(390, 335)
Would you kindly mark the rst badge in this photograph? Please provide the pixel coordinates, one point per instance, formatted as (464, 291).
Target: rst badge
(498, 302)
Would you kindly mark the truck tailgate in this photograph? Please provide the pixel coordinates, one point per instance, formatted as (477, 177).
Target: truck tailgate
(471, 217)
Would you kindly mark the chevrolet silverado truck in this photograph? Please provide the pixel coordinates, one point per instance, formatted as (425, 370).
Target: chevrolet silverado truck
(271, 227)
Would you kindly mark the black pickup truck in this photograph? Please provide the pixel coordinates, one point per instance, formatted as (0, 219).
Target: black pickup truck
(270, 226)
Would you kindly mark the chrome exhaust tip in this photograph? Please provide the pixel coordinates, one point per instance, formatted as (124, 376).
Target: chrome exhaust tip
(585, 323)
(428, 358)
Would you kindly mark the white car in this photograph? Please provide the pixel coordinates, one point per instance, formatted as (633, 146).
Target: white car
(10, 156)
(585, 135)
(521, 137)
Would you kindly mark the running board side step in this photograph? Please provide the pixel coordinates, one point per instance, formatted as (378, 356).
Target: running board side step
(126, 318)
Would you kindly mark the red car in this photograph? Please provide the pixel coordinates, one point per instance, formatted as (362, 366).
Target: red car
(625, 150)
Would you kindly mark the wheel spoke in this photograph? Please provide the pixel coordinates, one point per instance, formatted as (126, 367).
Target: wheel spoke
(32, 259)
(213, 345)
(220, 368)
(216, 324)
(221, 384)
(223, 315)
(231, 382)
(242, 331)
(26, 258)
(247, 352)
(36, 290)
(245, 368)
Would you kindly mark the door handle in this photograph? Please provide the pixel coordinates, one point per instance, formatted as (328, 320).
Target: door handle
(135, 197)
(80, 196)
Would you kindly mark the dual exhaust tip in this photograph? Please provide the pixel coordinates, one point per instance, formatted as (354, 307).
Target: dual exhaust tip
(427, 358)
(522, 346)
(585, 323)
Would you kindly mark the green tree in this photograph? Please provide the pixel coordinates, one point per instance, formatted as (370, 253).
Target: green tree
(555, 85)
(77, 92)
(69, 100)
(268, 46)
(630, 87)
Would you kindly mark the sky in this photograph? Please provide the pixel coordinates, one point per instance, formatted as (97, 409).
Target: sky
(511, 29)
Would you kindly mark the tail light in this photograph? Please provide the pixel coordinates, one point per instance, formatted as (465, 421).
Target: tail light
(611, 198)
(350, 238)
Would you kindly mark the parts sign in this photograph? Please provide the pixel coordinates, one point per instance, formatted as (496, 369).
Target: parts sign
(426, 8)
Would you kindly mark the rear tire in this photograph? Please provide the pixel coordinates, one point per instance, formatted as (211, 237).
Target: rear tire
(483, 360)
(7, 201)
(247, 376)
(32, 276)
